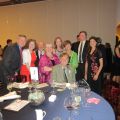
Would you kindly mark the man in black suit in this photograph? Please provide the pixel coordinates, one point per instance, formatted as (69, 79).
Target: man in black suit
(12, 59)
(81, 48)
(39, 52)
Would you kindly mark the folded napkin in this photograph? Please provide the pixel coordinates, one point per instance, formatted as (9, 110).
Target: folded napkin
(17, 105)
(93, 100)
(42, 85)
(21, 85)
(52, 98)
(9, 96)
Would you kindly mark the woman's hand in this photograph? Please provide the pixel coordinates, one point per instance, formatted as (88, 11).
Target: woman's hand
(47, 69)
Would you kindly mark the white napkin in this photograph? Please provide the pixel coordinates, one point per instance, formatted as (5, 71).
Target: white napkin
(9, 96)
(17, 105)
(21, 85)
(52, 98)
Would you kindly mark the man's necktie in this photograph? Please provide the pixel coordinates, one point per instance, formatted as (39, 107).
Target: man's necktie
(65, 76)
(80, 52)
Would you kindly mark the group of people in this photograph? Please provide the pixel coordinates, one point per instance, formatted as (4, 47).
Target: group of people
(63, 62)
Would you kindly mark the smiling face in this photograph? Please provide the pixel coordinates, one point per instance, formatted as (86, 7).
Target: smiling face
(49, 48)
(21, 40)
(58, 42)
(32, 45)
(67, 47)
(64, 59)
(82, 36)
(93, 43)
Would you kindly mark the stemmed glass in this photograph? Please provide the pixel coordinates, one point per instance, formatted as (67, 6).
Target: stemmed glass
(70, 103)
(85, 92)
(10, 83)
(53, 92)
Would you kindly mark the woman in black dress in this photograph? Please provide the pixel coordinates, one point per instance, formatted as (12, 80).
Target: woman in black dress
(116, 65)
(93, 66)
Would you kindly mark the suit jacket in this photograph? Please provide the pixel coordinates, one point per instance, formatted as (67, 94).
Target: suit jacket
(85, 49)
(58, 74)
(10, 63)
(37, 55)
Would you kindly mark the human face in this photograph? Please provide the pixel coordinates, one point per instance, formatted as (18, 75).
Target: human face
(67, 47)
(21, 41)
(58, 43)
(82, 36)
(32, 45)
(40, 45)
(49, 48)
(93, 43)
(64, 60)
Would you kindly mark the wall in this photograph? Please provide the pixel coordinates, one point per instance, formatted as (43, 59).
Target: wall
(47, 19)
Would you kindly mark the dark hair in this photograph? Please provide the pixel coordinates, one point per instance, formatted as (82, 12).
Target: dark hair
(95, 38)
(66, 42)
(83, 32)
(9, 41)
(56, 40)
(28, 42)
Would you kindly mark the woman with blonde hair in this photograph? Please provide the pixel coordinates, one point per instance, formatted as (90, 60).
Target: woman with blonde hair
(47, 61)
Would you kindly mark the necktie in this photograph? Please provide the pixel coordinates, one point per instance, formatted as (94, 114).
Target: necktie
(21, 59)
(80, 52)
(65, 76)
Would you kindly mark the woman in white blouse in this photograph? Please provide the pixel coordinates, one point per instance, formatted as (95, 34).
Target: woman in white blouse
(29, 58)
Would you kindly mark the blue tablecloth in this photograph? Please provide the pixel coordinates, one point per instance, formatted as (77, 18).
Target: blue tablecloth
(101, 111)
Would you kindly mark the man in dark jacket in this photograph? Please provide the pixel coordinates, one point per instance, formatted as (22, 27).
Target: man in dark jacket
(12, 59)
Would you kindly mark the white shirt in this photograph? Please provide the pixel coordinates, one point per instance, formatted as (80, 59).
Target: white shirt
(83, 44)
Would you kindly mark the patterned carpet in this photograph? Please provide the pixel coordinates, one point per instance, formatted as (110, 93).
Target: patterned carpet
(111, 93)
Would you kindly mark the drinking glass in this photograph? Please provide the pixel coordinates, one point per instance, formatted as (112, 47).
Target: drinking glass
(71, 104)
(52, 83)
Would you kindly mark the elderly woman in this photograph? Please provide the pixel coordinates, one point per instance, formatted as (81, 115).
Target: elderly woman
(29, 58)
(73, 59)
(47, 61)
(93, 66)
(63, 73)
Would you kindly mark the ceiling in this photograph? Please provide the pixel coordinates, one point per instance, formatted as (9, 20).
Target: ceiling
(12, 2)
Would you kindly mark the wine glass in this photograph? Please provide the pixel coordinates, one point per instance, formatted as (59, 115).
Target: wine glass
(87, 93)
(70, 103)
(10, 83)
(53, 92)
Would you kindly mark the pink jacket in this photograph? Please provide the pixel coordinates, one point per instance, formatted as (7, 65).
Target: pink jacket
(45, 76)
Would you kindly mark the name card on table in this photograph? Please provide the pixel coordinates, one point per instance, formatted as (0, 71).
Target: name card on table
(34, 73)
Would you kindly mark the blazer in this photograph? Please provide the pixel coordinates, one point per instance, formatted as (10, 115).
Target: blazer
(38, 58)
(85, 49)
(58, 74)
(11, 62)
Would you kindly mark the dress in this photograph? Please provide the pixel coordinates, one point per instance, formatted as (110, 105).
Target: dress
(93, 65)
(116, 65)
(25, 71)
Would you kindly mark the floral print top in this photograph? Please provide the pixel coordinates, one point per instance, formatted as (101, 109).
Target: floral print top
(93, 62)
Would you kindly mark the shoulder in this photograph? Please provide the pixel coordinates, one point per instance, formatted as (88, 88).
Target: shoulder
(56, 67)
(74, 53)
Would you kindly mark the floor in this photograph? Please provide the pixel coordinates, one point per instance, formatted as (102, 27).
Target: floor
(111, 92)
